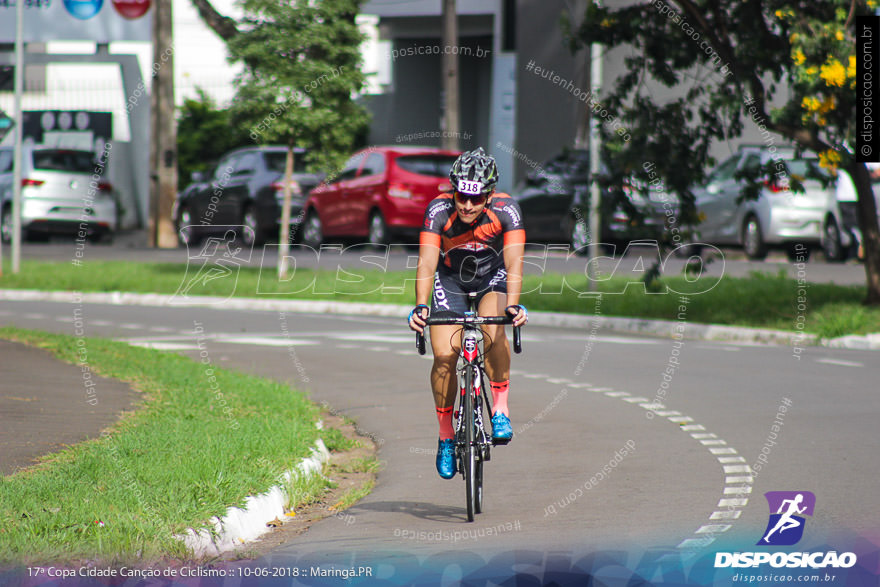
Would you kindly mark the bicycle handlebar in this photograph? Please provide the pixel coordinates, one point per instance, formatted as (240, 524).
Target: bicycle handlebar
(462, 320)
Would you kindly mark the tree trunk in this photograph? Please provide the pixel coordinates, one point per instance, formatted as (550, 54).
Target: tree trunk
(224, 26)
(867, 215)
(284, 233)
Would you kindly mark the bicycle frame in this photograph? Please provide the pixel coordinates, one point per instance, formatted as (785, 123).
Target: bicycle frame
(472, 443)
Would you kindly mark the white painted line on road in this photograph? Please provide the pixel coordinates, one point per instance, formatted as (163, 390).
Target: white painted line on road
(535, 376)
(712, 442)
(165, 346)
(737, 490)
(702, 435)
(735, 480)
(652, 407)
(667, 413)
(263, 341)
(680, 419)
(347, 346)
(840, 362)
(693, 427)
(696, 543)
(728, 515)
(578, 385)
(723, 451)
(558, 381)
(69, 319)
(130, 326)
(733, 502)
(34, 316)
(714, 529)
(100, 323)
(731, 460)
(616, 393)
(737, 469)
(601, 389)
(634, 400)
(378, 349)
(161, 329)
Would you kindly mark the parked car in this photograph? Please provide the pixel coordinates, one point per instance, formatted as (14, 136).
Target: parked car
(245, 189)
(781, 216)
(555, 200)
(379, 193)
(841, 236)
(60, 194)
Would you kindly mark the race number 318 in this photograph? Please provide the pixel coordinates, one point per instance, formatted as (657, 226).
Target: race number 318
(470, 187)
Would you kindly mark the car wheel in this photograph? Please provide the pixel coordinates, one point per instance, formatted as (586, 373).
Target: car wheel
(579, 236)
(832, 244)
(6, 225)
(251, 233)
(378, 231)
(186, 233)
(312, 232)
(753, 240)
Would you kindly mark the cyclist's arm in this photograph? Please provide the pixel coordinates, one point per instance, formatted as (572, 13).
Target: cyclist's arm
(514, 249)
(429, 255)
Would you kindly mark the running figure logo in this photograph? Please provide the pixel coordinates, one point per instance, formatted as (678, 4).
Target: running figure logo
(214, 270)
(786, 525)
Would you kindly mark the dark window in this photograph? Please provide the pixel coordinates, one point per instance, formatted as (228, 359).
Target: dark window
(430, 165)
(351, 168)
(276, 160)
(64, 160)
(247, 163)
(375, 165)
(6, 161)
(725, 171)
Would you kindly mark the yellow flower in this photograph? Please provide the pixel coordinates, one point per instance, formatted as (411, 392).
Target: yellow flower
(833, 73)
(838, 35)
(851, 68)
(829, 159)
(799, 57)
(793, 38)
(811, 71)
(778, 14)
(810, 104)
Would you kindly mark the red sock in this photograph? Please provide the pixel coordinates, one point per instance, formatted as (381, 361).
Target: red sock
(499, 397)
(444, 416)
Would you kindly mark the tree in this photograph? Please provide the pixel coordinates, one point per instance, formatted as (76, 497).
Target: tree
(204, 133)
(302, 66)
(736, 59)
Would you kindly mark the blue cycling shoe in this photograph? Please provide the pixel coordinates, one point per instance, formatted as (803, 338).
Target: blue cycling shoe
(501, 429)
(446, 458)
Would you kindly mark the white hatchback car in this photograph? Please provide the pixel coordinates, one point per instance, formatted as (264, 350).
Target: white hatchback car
(780, 216)
(63, 192)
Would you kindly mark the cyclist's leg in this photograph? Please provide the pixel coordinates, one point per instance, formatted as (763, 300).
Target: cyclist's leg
(448, 300)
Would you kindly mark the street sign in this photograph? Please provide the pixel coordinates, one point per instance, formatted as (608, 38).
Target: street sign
(6, 124)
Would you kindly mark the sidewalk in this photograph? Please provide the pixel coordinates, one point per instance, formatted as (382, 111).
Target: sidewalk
(45, 405)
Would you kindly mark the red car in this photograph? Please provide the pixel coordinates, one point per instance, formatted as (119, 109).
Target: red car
(381, 192)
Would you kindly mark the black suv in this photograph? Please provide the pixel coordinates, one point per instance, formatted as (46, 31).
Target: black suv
(555, 200)
(246, 189)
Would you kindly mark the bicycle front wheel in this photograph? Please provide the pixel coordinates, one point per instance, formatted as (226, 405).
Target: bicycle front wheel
(470, 454)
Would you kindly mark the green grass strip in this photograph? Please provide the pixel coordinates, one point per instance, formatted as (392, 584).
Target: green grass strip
(761, 300)
(173, 463)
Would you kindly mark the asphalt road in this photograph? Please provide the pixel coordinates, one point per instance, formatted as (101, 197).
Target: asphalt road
(578, 398)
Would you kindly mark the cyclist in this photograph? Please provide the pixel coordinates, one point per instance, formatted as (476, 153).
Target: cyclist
(472, 240)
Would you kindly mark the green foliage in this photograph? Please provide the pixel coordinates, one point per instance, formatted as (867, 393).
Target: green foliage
(204, 133)
(303, 65)
(731, 58)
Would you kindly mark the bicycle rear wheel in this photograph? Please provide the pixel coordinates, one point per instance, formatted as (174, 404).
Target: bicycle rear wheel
(470, 450)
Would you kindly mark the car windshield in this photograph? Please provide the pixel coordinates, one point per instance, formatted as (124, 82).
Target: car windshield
(806, 169)
(431, 165)
(64, 160)
(276, 160)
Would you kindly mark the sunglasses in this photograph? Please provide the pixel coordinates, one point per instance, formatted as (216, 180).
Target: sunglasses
(475, 199)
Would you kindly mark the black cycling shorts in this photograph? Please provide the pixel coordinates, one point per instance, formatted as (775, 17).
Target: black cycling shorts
(450, 292)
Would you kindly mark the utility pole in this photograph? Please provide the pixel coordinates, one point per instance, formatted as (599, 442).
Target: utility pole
(19, 131)
(163, 131)
(595, 160)
(451, 122)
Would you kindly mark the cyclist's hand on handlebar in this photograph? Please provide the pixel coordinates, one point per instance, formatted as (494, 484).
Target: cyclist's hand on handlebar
(519, 314)
(417, 318)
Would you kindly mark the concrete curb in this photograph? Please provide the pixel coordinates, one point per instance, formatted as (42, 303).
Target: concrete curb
(242, 525)
(660, 328)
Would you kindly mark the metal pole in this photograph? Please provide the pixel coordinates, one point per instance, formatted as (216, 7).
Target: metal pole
(595, 159)
(19, 124)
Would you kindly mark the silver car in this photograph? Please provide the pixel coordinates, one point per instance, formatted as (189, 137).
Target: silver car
(780, 217)
(63, 192)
